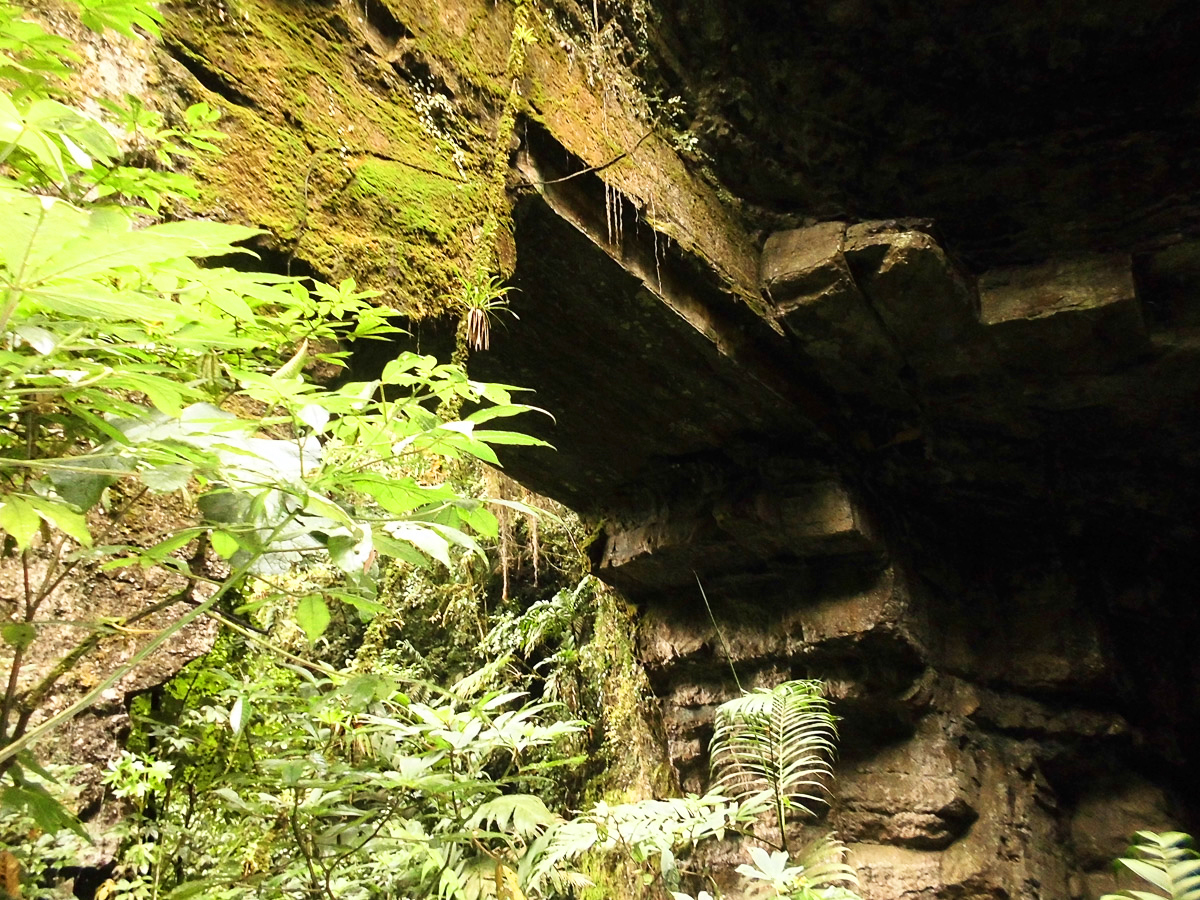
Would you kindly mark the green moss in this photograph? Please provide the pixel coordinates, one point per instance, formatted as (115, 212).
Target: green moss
(477, 49)
(413, 201)
(633, 753)
(259, 176)
(615, 878)
(329, 154)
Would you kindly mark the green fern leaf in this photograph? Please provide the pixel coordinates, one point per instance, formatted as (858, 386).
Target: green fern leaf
(774, 747)
(1167, 861)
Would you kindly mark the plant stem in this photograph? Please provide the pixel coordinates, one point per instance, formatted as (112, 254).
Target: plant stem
(9, 752)
(720, 634)
(14, 671)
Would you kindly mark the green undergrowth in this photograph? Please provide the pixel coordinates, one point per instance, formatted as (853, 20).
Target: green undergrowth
(240, 772)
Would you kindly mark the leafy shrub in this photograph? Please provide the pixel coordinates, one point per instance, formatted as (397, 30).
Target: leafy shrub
(770, 755)
(128, 362)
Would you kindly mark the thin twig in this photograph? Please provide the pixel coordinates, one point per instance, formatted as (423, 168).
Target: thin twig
(15, 746)
(312, 871)
(250, 635)
(720, 633)
(32, 698)
(590, 169)
(47, 589)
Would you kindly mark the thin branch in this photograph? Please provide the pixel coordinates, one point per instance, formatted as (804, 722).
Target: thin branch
(249, 634)
(47, 589)
(15, 746)
(600, 168)
(293, 818)
(32, 698)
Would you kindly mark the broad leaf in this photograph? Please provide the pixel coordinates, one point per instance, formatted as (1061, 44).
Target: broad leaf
(18, 634)
(19, 518)
(312, 615)
(37, 803)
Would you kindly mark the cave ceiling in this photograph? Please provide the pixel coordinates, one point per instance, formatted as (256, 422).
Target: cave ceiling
(1022, 128)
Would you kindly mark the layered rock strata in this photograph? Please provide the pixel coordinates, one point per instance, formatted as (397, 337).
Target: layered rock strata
(949, 466)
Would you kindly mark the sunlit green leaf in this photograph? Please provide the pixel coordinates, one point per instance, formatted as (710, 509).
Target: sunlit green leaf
(19, 519)
(166, 478)
(81, 489)
(479, 518)
(18, 634)
(524, 814)
(235, 715)
(64, 518)
(312, 615)
(36, 802)
(509, 437)
(314, 416)
(396, 549)
(424, 538)
(224, 544)
(350, 554)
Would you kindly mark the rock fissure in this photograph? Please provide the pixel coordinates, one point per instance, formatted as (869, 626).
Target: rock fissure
(212, 78)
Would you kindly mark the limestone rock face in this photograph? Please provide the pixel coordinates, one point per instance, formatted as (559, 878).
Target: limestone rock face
(807, 276)
(1075, 315)
(904, 380)
(927, 487)
(1024, 132)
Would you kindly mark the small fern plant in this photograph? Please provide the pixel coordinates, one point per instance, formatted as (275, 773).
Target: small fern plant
(1168, 861)
(772, 751)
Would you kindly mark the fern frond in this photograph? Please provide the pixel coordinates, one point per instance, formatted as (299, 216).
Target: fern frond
(1168, 861)
(557, 845)
(774, 747)
(824, 863)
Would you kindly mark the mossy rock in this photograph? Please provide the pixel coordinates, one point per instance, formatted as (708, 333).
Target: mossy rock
(327, 151)
(411, 201)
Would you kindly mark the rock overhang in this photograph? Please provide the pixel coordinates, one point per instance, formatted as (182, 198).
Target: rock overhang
(872, 452)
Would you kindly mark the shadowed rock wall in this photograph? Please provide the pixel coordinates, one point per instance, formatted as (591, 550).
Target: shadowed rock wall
(966, 502)
(904, 373)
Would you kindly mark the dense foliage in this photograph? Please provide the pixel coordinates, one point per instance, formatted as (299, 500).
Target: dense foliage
(130, 369)
(309, 754)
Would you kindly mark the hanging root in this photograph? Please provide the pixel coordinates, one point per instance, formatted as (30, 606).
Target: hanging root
(479, 331)
(614, 215)
(608, 219)
(657, 252)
